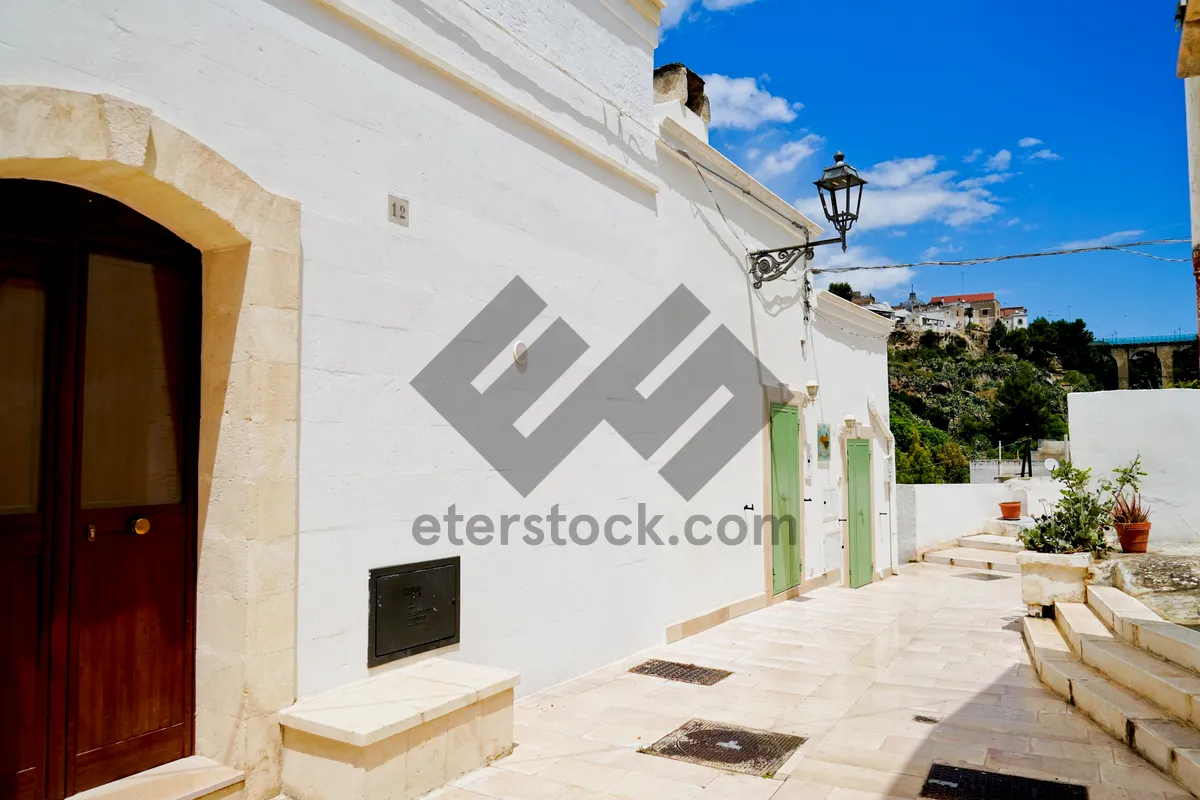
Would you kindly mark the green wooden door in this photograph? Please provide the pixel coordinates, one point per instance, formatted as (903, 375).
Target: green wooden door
(786, 501)
(858, 456)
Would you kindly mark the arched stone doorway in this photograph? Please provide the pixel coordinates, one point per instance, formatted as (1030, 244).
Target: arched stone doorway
(246, 437)
(99, 378)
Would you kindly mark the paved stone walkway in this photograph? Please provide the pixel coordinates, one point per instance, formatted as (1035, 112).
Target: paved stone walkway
(847, 669)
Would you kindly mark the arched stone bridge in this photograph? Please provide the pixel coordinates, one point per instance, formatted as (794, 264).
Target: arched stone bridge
(1162, 347)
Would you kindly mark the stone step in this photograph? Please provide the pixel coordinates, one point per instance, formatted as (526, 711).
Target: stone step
(1168, 686)
(1172, 746)
(975, 559)
(1005, 527)
(190, 778)
(991, 541)
(1076, 622)
(1138, 625)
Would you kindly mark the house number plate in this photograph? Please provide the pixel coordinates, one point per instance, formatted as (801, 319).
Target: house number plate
(397, 210)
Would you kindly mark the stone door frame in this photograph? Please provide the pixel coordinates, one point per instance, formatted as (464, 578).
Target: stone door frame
(249, 390)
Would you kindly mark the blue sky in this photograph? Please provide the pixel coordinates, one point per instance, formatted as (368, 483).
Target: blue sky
(985, 128)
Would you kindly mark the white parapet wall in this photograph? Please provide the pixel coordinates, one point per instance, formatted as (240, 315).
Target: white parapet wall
(1163, 425)
(930, 515)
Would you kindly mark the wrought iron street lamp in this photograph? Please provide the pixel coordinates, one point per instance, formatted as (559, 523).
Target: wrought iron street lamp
(840, 189)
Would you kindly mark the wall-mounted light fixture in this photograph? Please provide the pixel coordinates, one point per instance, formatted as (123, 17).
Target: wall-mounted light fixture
(850, 422)
(810, 389)
(840, 190)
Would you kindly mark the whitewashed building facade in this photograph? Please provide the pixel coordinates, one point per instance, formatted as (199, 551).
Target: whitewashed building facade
(300, 203)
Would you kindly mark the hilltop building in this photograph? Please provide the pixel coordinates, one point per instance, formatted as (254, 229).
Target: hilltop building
(955, 312)
(983, 309)
(1014, 317)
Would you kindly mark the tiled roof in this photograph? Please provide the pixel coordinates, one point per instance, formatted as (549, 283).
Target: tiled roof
(965, 298)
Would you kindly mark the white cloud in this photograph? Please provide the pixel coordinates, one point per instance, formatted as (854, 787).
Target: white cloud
(984, 180)
(676, 10)
(900, 172)
(999, 162)
(741, 104)
(1029, 141)
(787, 157)
(973, 156)
(943, 246)
(1102, 241)
(1044, 155)
(673, 13)
(907, 191)
(1008, 223)
(867, 281)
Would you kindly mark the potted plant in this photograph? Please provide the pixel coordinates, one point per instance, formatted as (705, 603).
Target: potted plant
(1131, 517)
(1010, 510)
(1061, 547)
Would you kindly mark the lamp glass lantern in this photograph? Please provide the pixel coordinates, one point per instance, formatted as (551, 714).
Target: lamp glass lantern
(840, 188)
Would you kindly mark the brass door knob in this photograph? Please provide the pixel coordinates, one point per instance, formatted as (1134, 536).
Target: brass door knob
(140, 526)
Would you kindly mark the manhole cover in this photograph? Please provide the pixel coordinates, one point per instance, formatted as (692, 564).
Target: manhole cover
(954, 783)
(684, 673)
(985, 576)
(729, 747)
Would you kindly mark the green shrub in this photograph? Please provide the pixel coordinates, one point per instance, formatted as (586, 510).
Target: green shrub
(952, 463)
(916, 466)
(1078, 523)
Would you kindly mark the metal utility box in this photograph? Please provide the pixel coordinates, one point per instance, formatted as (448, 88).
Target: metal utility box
(414, 608)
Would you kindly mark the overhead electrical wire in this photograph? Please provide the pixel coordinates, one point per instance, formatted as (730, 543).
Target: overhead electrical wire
(966, 262)
(970, 262)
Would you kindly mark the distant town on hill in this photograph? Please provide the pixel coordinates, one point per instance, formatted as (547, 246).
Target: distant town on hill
(969, 377)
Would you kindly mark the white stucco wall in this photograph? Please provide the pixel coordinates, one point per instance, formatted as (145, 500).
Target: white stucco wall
(936, 514)
(1163, 425)
(850, 367)
(707, 252)
(523, 134)
(317, 108)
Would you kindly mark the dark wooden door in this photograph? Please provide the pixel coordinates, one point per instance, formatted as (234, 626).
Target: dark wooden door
(100, 568)
(25, 512)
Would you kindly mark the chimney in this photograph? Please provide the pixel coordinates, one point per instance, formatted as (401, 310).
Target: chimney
(677, 82)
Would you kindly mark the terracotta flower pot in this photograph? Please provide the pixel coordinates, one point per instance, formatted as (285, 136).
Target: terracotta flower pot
(1011, 510)
(1134, 536)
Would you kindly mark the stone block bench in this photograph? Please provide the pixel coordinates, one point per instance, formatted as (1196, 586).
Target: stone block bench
(399, 734)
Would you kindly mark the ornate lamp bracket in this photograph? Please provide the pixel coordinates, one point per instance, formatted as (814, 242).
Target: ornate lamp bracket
(767, 265)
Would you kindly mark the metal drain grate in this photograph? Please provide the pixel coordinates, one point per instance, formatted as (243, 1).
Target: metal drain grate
(684, 673)
(728, 747)
(954, 783)
(985, 576)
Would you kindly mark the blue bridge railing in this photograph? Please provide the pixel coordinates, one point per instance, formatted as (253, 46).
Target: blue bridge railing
(1171, 338)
